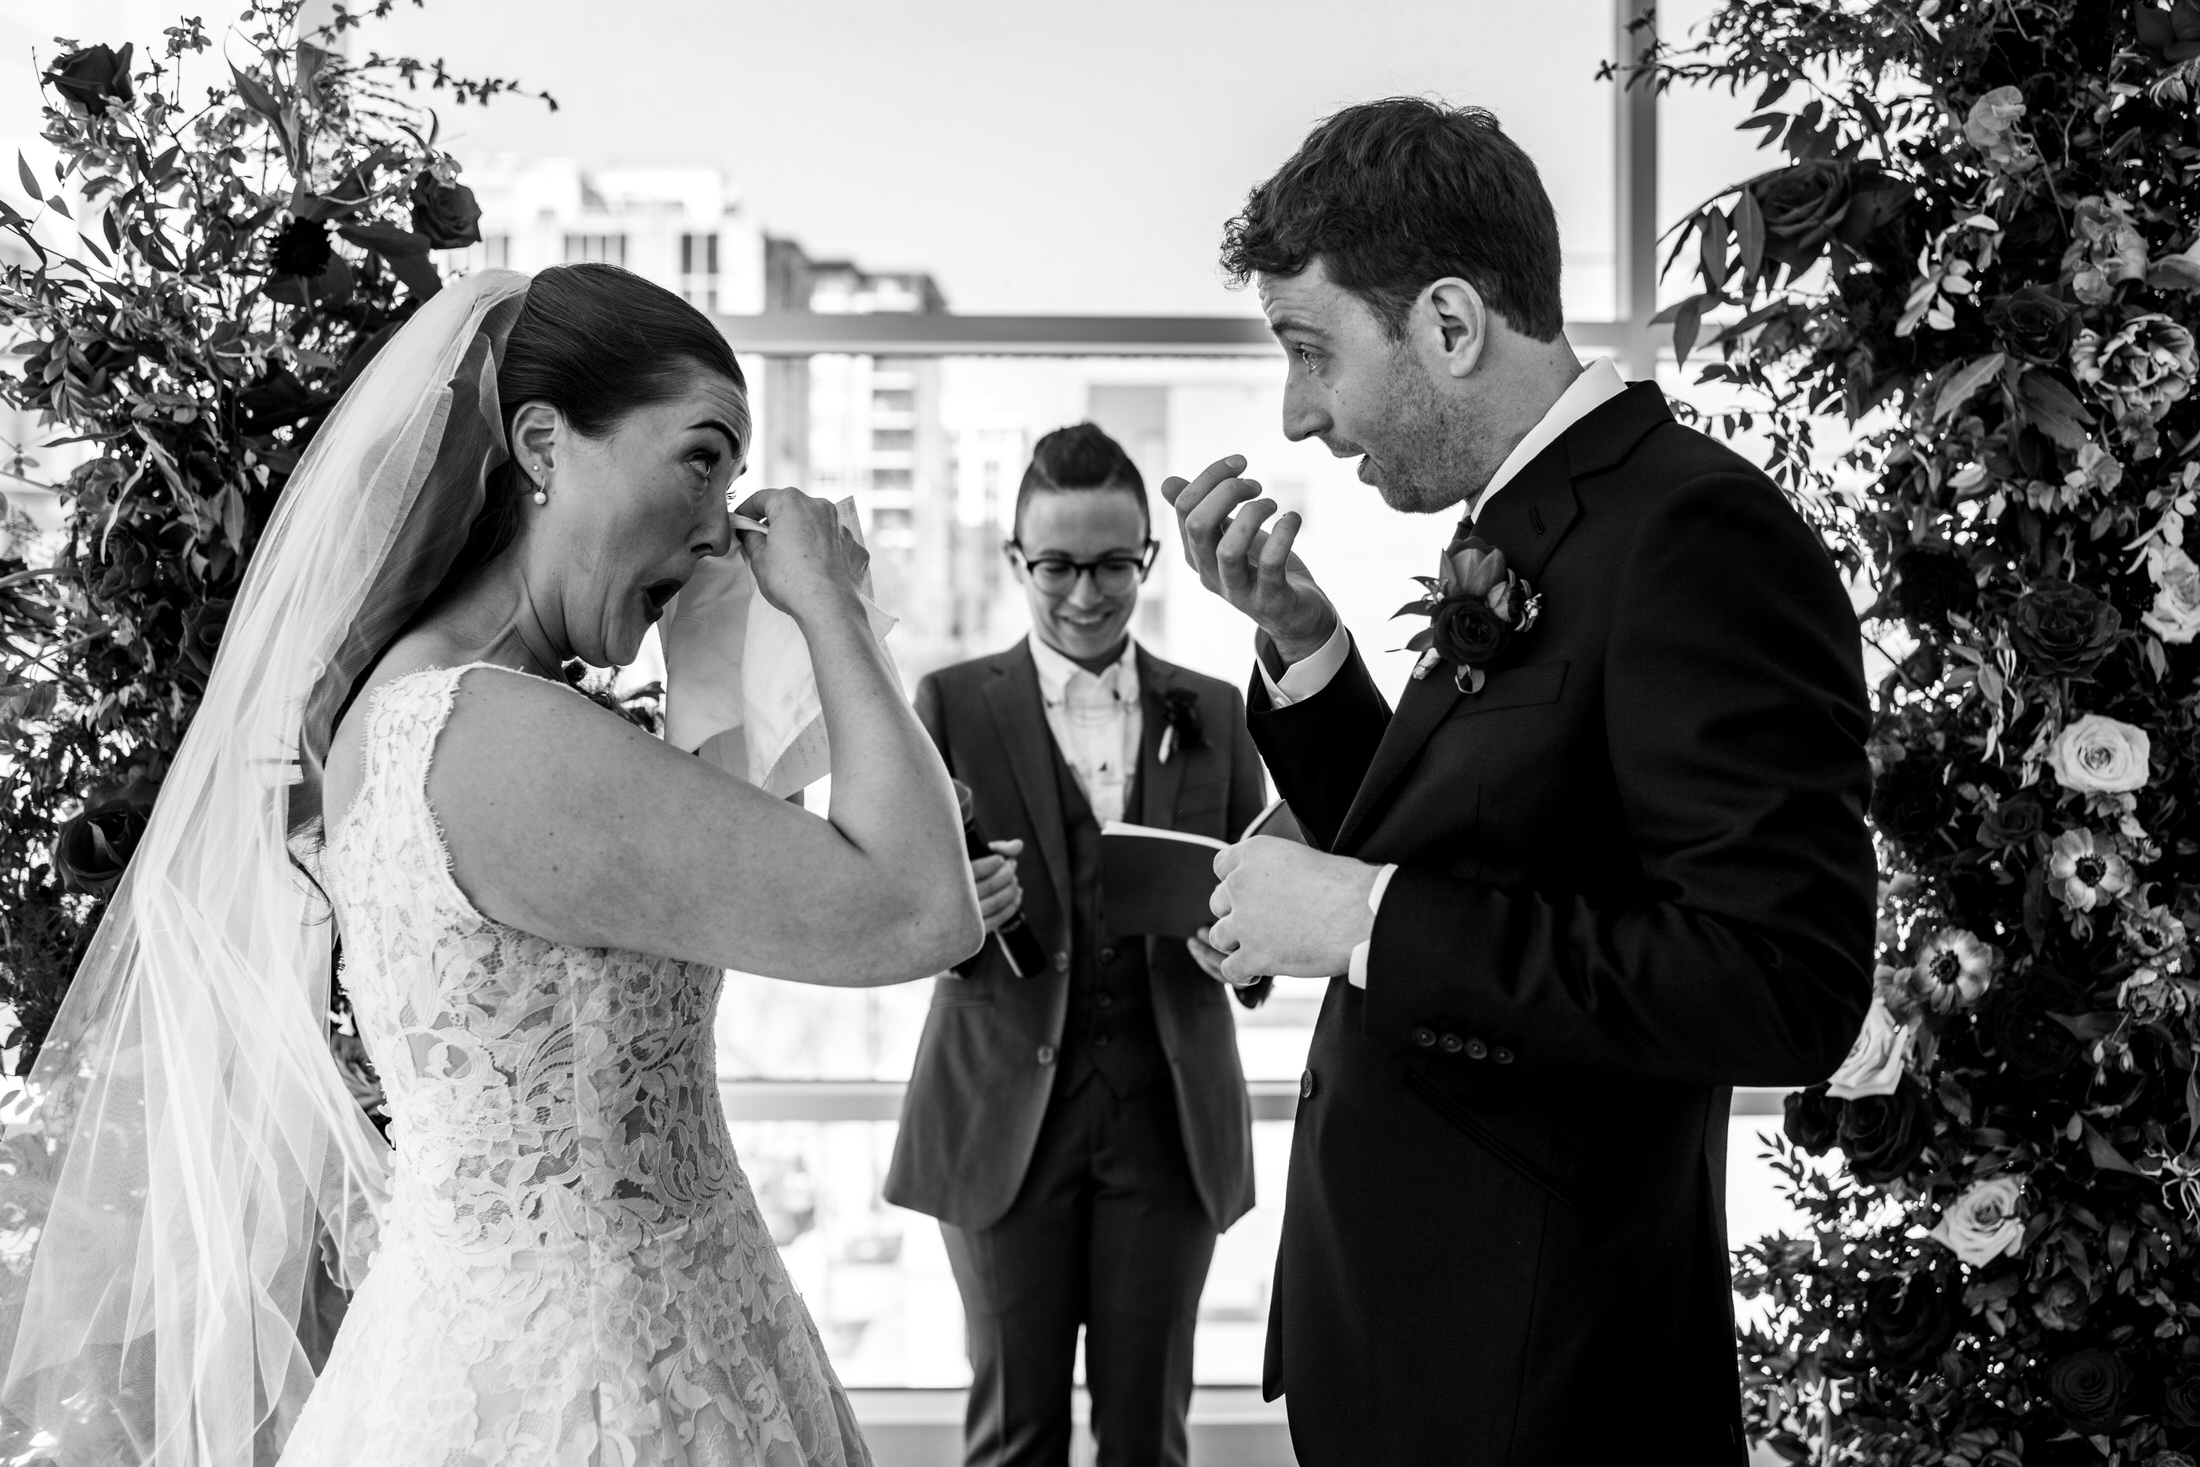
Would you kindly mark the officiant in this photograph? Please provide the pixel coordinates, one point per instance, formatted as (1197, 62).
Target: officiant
(1081, 1131)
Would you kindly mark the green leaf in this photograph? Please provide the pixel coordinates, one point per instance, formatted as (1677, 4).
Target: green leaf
(2105, 1156)
(261, 100)
(2053, 408)
(1960, 388)
(1749, 229)
(1684, 329)
(1711, 241)
(386, 240)
(29, 175)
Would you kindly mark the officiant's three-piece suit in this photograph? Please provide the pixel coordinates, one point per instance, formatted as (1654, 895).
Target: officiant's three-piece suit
(1082, 1133)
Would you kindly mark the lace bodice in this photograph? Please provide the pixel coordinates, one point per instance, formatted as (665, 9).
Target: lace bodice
(572, 1269)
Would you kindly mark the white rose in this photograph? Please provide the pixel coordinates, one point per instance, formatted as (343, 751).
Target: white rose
(1876, 1060)
(2099, 755)
(1982, 1224)
(2175, 616)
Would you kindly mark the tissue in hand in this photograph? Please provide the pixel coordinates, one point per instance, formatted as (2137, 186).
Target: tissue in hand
(739, 687)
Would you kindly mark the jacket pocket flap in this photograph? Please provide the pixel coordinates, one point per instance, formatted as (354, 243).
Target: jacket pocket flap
(1514, 687)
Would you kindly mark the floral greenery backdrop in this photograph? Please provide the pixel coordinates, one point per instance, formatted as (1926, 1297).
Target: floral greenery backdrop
(1981, 250)
(242, 221)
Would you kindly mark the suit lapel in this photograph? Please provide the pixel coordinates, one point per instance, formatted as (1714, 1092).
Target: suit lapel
(1526, 518)
(1159, 784)
(1020, 717)
(1423, 706)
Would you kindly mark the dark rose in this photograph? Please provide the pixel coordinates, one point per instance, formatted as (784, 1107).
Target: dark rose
(2034, 323)
(2012, 822)
(1808, 204)
(1180, 711)
(2169, 36)
(1883, 1134)
(1907, 1322)
(1467, 631)
(445, 212)
(2062, 1303)
(2063, 628)
(1929, 584)
(2181, 1398)
(1812, 1119)
(2169, 1459)
(202, 634)
(1910, 799)
(91, 851)
(302, 248)
(2088, 1388)
(135, 558)
(93, 77)
(2018, 1021)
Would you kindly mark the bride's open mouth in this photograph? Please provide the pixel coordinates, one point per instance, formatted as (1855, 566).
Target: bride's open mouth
(656, 594)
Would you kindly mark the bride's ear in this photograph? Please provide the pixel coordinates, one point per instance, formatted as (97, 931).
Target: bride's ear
(535, 434)
(1457, 323)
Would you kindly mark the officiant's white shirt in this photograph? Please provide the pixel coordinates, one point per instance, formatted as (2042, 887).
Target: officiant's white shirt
(1096, 721)
(1598, 384)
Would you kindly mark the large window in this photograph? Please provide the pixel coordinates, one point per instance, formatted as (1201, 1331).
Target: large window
(1063, 176)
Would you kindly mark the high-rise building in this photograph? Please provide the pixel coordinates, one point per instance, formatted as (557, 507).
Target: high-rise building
(870, 428)
(836, 425)
(685, 228)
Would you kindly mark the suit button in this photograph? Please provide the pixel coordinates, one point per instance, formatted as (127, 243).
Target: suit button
(1306, 1085)
(1105, 1000)
(1502, 1055)
(1046, 1054)
(1102, 1039)
(1424, 1036)
(1476, 1049)
(1450, 1044)
(1061, 962)
(1107, 955)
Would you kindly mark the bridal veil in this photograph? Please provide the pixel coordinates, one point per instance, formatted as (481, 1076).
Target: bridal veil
(185, 1149)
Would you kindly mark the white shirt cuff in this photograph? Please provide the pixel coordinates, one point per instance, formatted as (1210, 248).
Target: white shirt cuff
(1308, 676)
(1357, 974)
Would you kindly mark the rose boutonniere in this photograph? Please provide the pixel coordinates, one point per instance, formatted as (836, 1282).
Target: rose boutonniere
(1181, 727)
(1474, 606)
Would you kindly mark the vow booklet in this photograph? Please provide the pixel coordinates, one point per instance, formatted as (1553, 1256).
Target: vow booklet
(1158, 883)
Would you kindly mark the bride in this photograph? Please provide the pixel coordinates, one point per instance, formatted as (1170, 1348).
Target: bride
(557, 1259)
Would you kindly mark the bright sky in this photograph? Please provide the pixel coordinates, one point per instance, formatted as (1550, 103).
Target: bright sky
(1037, 156)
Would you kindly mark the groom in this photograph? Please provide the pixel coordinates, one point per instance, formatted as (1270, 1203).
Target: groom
(1566, 911)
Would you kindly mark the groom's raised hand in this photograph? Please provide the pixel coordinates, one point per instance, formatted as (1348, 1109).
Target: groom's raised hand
(1251, 567)
(1286, 909)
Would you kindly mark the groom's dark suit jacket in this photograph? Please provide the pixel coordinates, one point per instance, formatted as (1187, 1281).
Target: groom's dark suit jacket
(987, 1063)
(1634, 873)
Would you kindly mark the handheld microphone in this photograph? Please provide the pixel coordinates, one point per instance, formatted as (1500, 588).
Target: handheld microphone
(1019, 944)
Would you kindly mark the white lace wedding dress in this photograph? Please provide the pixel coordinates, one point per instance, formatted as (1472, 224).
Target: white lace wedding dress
(571, 1271)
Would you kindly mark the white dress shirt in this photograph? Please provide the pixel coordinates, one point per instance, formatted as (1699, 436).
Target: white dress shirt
(1598, 384)
(1096, 721)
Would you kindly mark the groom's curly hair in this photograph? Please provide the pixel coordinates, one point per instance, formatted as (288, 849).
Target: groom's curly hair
(1393, 195)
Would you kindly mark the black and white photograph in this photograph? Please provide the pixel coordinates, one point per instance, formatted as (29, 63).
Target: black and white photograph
(957, 733)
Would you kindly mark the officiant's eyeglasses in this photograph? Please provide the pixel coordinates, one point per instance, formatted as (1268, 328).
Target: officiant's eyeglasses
(1112, 575)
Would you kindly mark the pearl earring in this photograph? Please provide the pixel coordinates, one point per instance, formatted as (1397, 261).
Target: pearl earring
(542, 495)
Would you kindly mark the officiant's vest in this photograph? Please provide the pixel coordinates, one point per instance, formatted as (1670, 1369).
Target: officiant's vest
(1109, 1030)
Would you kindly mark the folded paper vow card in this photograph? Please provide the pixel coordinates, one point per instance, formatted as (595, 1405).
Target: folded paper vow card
(1158, 883)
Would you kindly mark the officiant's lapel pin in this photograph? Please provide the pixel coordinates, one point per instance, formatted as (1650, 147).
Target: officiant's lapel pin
(1181, 726)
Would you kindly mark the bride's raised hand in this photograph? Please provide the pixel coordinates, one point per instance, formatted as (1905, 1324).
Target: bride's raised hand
(806, 563)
